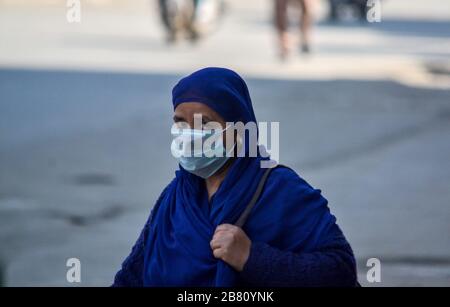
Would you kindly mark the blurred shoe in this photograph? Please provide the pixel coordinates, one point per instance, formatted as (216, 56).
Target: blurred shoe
(305, 49)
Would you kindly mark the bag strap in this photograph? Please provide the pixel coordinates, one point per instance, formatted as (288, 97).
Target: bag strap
(244, 216)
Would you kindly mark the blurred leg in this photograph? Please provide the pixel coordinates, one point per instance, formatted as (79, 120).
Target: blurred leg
(281, 23)
(306, 24)
(164, 13)
(191, 26)
(333, 10)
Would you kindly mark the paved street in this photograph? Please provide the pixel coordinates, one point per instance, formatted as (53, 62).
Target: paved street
(85, 114)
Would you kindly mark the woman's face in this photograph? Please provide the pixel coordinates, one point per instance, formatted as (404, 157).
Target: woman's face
(184, 113)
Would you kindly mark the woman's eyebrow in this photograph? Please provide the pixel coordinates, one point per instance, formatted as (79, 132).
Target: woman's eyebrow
(177, 119)
(205, 118)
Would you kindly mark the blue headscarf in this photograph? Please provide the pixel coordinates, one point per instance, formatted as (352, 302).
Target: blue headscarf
(289, 215)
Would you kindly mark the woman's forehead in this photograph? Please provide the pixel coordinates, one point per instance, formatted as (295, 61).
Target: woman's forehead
(188, 109)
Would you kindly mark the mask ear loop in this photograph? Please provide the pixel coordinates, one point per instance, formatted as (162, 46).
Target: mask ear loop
(218, 137)
(238, 144)
(235, 144)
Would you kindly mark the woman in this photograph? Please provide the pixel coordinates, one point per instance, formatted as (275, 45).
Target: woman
(289, 239)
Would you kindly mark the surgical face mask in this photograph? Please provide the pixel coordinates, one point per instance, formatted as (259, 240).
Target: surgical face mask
(200, 152)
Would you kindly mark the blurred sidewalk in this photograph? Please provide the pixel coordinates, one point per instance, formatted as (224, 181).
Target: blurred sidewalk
(127, 36)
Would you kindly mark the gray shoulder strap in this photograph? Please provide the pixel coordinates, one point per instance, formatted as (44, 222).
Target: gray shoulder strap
(243, 218)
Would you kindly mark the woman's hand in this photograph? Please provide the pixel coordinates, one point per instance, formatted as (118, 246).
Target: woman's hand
(231, 244)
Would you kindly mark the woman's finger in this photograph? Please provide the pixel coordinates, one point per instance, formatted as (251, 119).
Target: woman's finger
(222, 239)
(224, 227)
(219, 253)
(220, 232)
(224, 236)
(215, 244)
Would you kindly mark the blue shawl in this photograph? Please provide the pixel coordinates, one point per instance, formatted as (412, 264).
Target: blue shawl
(289, 215)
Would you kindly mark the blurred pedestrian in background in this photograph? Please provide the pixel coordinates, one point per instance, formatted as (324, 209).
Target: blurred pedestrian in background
(282, 25)
(189, 19)
(177, 17)
(340, 9)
